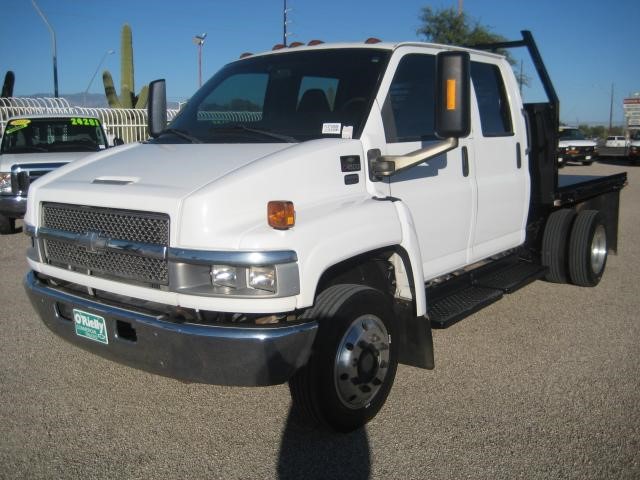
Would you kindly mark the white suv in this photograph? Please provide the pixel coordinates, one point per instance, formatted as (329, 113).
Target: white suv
(616, 141)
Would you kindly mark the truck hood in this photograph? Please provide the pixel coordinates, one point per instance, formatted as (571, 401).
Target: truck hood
(129, 177)
(214, 194)
(8, 160)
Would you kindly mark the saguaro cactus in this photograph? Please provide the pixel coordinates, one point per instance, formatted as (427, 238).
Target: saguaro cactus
(7, 86)
(127, 97)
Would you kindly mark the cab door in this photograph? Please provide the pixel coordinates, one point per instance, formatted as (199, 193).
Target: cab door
(500, 167)
(439, 193)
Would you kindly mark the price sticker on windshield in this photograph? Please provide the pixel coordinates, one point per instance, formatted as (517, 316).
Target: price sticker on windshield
(18, 124)
(87, 122)
(331, 128)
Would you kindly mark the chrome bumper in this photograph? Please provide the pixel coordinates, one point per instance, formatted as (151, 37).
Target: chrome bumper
(220, 355)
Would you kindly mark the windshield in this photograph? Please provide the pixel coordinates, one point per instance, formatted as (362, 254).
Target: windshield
(288, 97)
(32, 135)
(571, 134)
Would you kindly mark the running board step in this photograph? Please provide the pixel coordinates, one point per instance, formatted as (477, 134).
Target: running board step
(457, 298)
(511, 276)
(451, 309)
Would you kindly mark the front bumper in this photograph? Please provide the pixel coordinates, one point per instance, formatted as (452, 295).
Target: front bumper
(576, 155)
(221, 355)
(13, 206)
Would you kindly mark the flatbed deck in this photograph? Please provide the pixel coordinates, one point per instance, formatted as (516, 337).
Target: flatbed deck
(574, 189)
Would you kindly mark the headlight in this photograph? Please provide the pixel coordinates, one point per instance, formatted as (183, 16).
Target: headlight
(224, 276)
(245, 279)
(263, 278)
(5, 182)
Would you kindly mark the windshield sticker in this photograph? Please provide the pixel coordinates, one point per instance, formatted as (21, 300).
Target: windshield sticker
(18, 124)
(20, 121)
(89, 122)
(331, 128)
(347, 132)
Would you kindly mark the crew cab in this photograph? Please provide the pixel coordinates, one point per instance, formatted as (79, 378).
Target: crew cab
(573, 146)
(33, 145)
(310, 215)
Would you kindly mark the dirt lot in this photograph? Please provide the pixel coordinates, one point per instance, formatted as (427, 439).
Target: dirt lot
(544, 384)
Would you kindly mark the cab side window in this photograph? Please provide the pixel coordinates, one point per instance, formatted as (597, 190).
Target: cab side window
(408, 112)
(495, 114)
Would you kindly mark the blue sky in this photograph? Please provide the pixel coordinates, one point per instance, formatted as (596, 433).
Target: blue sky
(588, 45)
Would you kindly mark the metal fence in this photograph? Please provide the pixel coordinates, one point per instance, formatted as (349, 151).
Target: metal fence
(126, 123)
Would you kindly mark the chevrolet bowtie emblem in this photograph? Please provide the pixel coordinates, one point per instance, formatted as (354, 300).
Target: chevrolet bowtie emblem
(92, 242)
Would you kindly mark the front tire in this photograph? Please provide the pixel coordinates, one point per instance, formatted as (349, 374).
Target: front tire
(353, 364)
(587, 249)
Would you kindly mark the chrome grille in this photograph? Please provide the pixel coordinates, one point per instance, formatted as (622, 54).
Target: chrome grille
(132, 226)
(118, 224)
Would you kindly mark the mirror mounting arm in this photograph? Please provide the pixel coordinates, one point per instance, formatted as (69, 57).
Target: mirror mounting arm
(387, 165)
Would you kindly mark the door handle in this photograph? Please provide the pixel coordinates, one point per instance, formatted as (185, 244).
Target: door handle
(465, 162)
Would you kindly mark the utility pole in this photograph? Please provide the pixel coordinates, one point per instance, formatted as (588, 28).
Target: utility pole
(460, 7)
(611, 110)
(55, 50)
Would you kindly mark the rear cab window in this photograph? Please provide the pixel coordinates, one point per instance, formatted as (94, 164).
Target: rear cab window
(493, 103)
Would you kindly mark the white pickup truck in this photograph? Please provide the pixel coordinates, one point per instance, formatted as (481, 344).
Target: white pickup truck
(33, 145)
(310, 215)
(573, 146)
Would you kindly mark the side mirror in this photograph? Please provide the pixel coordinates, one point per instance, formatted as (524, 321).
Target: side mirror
(453, 97)
(157, 107)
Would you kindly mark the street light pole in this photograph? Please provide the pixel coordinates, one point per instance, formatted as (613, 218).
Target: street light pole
(199, 41)
(55, 50)
(84, 95)
(285, 23)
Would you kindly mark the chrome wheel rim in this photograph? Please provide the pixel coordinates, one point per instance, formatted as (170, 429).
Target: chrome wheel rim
(362, 361)
(598, 249)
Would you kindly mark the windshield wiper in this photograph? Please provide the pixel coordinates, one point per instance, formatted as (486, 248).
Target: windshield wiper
(181, 134)
(264, 133)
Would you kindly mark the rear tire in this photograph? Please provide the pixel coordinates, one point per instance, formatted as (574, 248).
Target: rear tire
(555, 245)
(7, 225)
(353, 364)
(587, 249)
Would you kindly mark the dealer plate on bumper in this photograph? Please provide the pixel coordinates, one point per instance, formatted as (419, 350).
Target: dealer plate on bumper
(90, 326)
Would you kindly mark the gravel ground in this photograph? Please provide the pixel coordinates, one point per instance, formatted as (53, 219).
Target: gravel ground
(544, 384)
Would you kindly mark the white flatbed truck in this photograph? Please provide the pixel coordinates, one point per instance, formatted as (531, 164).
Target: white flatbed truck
(310, 215)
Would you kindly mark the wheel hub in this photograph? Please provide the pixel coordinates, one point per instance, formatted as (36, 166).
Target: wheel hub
(362, 361)
(598, 249)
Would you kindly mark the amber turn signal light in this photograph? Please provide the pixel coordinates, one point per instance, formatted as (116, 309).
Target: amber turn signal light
(281, 214)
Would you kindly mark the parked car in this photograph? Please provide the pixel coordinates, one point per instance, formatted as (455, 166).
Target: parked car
(33, 145)
(574, 146)
(616, 141)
